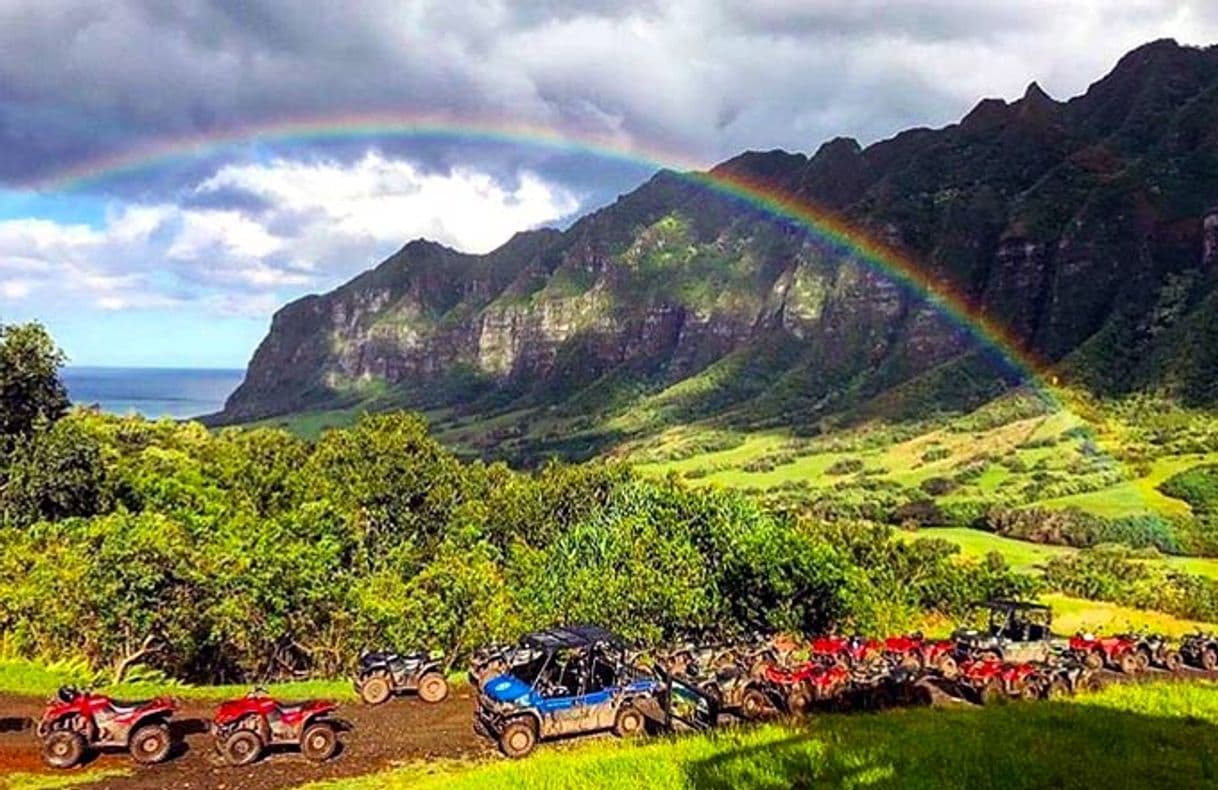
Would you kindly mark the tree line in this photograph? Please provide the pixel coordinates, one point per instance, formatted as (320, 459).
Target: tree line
(250, 554)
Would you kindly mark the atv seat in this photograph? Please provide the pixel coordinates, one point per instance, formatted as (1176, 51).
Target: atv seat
(129, 706)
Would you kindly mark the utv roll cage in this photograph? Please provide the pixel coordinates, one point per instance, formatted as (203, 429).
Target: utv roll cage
(1018, 621)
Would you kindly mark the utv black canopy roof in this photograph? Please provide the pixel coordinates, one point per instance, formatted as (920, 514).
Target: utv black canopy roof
(572, 637)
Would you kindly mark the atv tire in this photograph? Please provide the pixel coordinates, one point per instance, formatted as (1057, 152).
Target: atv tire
(1172, 661)
(1209, 659)
(1094, 660)
(754, 705)
(629, 722)
(991, 693)
(1144, 660)
(1058, 689)
(319, 742)
(150, 743)
(63, 748)
(518, 738)
(1128, 663)
(798, 703)
(948, 668)
(241, 747)
(433, 688)
(375, 689)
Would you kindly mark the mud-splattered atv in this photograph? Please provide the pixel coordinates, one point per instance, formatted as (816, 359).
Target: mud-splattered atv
(1154, 650)
(795, 690)
(849, 651)
(244, 728)
(381, 675)
(1201, 651)
(1064, 677)
(1117, 652)
(75, 721)
(987, 680)
(914, 651)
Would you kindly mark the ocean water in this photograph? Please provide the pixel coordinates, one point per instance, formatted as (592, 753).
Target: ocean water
(152, 392)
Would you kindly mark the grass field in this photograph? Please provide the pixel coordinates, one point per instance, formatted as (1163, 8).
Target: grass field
(1135, 496)
(1019, 554)
(1078, 614)
(1027, 556)
(1056, 460)
(1162, 735)
(25, 781)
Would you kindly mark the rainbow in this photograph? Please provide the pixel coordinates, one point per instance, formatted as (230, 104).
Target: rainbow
(848, 239)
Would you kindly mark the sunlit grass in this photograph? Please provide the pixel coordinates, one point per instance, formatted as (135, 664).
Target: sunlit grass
(28, 781)
(1078, 614)
(1163, 735)
(1019, 554)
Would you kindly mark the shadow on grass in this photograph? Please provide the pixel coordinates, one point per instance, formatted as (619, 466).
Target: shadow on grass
(1018, 745)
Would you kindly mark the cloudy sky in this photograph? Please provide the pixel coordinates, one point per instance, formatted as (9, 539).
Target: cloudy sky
(179, 256)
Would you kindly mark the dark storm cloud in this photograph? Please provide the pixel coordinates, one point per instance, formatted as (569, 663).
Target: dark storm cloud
(699, 78)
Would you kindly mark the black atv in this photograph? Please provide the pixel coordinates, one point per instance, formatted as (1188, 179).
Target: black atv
(384, 674)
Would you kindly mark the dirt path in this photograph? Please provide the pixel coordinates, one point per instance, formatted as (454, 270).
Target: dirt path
(398, 732)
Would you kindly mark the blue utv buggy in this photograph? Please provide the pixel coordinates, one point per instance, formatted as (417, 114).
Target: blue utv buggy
(577, 681)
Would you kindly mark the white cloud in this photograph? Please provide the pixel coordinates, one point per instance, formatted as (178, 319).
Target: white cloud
(15, 290)
(388, 201)
(314, 225)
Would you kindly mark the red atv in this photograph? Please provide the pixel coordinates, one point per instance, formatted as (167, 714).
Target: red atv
(245, 727)
(1119, 652)
(990, 679)
(795, 689)
(846, 650)
(914, 651)
(75, 721)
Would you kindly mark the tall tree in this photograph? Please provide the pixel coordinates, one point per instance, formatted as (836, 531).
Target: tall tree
(30, 390)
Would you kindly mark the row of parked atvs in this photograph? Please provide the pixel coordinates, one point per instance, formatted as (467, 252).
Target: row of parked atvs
(585, 679)
(571, 681)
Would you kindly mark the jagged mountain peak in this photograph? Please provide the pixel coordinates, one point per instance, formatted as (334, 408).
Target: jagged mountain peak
(1062, 221)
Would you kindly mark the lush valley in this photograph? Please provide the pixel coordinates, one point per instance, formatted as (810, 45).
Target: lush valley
(685, 417)
(1080, 231)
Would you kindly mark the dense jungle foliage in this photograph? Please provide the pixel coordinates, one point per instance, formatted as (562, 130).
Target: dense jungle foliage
(250, 553)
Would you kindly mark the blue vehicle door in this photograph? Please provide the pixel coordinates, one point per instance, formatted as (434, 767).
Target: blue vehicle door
(562, 711)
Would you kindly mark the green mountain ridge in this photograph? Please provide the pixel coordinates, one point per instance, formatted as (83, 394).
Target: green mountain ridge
(1086, 228)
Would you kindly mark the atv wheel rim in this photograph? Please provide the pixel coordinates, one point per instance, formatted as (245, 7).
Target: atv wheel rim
(60, 749)
(518, 741)
(241, 747)
(150, 745)
(319, 742)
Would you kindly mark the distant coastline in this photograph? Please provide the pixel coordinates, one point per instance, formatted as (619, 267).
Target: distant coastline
(178, 393)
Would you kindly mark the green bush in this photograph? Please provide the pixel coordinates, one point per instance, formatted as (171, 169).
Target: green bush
(248, 554)
(845, 466)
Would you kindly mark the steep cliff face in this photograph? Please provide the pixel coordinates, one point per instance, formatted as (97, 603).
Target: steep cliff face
(1071, 223)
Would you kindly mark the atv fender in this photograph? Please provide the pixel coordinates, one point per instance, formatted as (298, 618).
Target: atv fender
(152, 717)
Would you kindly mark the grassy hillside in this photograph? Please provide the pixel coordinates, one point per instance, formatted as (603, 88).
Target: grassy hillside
(1163, 735)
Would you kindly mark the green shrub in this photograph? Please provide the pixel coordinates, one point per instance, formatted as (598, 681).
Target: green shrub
(845, 466)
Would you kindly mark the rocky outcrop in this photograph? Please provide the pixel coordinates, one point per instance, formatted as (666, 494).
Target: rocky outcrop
(1054, 219)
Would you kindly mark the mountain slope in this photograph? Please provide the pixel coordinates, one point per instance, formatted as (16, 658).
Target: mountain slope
(1083, 226)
